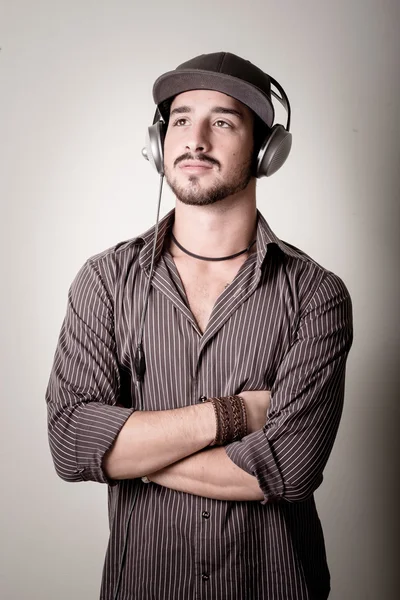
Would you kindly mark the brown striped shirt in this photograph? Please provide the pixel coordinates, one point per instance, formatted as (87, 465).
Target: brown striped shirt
(283, 324)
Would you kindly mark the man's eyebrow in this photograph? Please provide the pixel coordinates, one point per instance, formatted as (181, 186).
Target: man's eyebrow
(228, 111)
(218, 110)
(180, 110)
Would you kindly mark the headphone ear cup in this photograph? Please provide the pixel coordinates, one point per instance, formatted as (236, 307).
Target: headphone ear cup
(154, 149)
(274, 151)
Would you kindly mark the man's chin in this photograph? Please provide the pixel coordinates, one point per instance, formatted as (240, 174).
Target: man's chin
(201, 198)
(195, 191)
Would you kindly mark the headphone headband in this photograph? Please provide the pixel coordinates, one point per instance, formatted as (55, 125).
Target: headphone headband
(283, 99)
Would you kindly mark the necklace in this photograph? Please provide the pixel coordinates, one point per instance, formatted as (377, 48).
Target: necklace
(209, 257)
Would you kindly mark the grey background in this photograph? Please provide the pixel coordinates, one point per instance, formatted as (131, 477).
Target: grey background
(75, 101)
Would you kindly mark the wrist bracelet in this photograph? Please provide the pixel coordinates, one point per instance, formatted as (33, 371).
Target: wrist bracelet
(231, 419)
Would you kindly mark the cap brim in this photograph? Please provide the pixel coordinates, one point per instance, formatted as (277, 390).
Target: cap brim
(176, 82)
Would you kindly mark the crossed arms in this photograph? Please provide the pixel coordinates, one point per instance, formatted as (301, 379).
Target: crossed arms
(165, 446)
(92, 438)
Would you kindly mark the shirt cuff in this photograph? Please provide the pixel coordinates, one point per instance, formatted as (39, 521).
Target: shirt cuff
(98, 425)
(254, 455)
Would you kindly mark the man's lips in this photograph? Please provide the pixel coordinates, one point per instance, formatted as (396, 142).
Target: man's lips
(201, 162)
(193, 164)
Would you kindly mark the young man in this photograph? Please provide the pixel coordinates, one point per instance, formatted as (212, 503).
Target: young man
(212, 466)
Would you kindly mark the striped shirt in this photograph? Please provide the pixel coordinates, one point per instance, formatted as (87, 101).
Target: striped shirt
(283, 324)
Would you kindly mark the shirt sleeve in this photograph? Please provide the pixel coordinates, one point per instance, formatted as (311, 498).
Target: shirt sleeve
(83, 391)
(289, 454)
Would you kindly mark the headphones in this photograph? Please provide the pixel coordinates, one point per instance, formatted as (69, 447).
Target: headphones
(273, 152)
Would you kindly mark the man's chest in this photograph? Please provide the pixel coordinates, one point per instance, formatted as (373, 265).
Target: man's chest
(248, 330)
(202, 291)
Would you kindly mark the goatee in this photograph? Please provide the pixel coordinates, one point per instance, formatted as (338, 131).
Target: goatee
(194, 195)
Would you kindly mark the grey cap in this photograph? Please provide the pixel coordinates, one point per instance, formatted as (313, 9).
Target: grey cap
(223, 72)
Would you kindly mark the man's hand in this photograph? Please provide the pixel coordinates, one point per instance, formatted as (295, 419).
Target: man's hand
(257, 404)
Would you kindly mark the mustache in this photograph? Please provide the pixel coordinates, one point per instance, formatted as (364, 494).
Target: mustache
(199, 157)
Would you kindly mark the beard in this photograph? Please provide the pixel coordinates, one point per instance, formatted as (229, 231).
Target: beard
(194, 195)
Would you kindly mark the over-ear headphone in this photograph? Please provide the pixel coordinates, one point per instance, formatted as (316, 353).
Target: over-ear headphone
(271, 156)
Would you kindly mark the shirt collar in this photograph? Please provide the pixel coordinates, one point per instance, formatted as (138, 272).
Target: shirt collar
(147, 240)
(265, 237)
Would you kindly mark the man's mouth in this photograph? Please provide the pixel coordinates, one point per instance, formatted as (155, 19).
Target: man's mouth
(200, 162)
(195, 165)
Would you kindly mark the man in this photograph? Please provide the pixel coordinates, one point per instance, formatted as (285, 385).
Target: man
(245, 339)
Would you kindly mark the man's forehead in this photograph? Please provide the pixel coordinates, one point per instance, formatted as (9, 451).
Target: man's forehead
(208, 97)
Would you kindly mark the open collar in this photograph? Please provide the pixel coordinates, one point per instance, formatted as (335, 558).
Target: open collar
(265, 237)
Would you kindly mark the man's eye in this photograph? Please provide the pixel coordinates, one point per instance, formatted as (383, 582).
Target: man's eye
(180, 122)
(221, 123)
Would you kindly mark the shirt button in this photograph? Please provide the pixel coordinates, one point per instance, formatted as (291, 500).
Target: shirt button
(205, 576)
(205, 514)
(203, 398)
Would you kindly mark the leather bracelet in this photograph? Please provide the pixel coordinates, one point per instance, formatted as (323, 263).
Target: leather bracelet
(231, 419)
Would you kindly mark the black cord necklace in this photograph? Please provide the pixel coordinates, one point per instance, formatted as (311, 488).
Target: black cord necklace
(209, 257)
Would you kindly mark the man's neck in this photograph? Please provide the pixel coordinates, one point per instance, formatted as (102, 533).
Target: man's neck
(220, 229)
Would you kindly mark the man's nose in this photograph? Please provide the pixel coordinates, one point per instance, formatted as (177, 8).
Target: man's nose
(198, 138)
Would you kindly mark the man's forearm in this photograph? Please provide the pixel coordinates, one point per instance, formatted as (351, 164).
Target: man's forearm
(210, 474)
(151, 440)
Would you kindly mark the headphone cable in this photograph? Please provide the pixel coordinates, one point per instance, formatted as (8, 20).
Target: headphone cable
(140, 367)
(139, 361)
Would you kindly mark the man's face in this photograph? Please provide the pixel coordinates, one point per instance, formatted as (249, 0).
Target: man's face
(208, 147)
